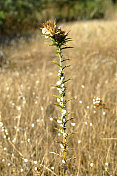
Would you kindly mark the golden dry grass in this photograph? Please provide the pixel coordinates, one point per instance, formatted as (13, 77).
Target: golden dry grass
(26, 103)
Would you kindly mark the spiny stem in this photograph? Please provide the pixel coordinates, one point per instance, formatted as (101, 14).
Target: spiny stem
(63, 119)
(60, 55)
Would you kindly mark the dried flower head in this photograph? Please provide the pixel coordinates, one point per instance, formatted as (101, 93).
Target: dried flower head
(54, 32)
(97, 101)
(49, 29)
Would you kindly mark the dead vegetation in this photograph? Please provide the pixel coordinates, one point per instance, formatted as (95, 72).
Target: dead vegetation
(26, 104)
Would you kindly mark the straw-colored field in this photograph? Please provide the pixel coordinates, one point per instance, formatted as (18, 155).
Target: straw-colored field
(26, 104)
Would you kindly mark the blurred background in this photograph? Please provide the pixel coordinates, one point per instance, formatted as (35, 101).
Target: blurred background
(20, 16)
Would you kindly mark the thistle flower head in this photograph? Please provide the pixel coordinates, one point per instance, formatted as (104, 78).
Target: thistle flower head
(54, 32)
(49, 29)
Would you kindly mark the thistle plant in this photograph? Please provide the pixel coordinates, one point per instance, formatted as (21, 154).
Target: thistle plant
(59, 39)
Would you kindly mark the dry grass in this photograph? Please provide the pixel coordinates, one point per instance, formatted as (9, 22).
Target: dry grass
(26, 103)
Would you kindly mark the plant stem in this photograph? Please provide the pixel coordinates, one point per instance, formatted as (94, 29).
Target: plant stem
(63, 117)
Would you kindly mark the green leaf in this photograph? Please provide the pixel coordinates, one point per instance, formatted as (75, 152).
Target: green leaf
(58, 105)
(56, 96)
(66, 47)
(66, 67)
(68, 134)
(55, 63)
(65, 60)
(69, 113)
(54, 85)
(67, 80)
(69, 119)
(68, 100)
